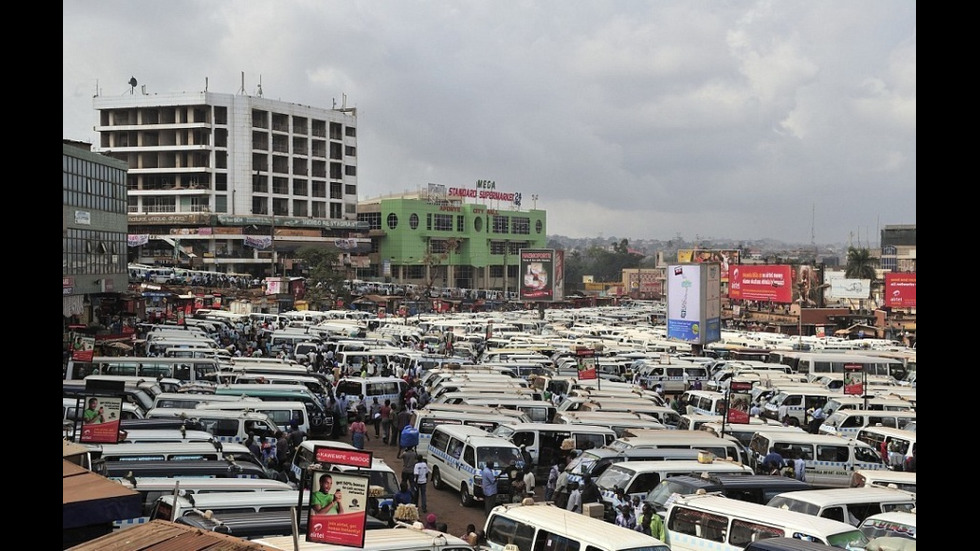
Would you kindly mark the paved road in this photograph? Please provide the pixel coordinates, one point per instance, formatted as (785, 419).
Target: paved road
(444, 503)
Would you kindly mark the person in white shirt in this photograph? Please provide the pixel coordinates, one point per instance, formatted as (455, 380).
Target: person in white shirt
(574, 498)
(529, 481)
(421, 478)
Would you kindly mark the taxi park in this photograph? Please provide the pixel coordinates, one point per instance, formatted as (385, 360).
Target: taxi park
(567, 345)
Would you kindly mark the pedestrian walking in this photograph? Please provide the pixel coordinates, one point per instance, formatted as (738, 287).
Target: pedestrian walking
(488, 481)
(421, 471)
(387, 419)
(374, 416)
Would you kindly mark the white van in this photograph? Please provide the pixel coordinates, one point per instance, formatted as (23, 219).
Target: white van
(283, 413)
(621, 422)
(190, 400)
(543, 526)
(544, 440)
(226, 426)
(883, 437)
(172, 451)
(539, 411)
(382, 388)
(895, 524)
(457, 454)
(847, 422)
(884, 478)
(710, 521)
(401, 538)
(427, 419)
(637, 478)
(840, 403)
(830, 460)
(152, 488)
(850, 505)
(704, 402)
(699, 440)
(795, 402)
(170, 507)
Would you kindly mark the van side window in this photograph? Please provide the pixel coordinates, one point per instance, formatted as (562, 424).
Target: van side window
(546, 541)
(224, 427)
(469, 456)
(745, 532)
(834, 513)
(503, 531)
(832, 453)
(439, 441)
(644, 483)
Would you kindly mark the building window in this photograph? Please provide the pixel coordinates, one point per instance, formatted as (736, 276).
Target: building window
(460, 224)
(444, 222)
(392, 221)
(501, 224)
(538, 226)
(413, 221)
(521, 225)
(478, 223)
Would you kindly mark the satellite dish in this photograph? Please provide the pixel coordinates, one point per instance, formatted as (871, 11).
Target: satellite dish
(132, 82)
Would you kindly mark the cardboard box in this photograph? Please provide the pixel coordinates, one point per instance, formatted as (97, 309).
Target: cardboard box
(594, 510)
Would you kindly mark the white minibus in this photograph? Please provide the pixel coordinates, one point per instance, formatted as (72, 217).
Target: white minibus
(400, 538)
(226, 426)
(847, 422)
(710, 521)
(829, 460)
(426, 420)
(850, 505)
(543, 526)
(170, 507)
(544, 440)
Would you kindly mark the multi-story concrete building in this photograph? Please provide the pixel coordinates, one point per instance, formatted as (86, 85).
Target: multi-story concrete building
(231, 182)
(436, 238)
(898, 248)
(93, 231)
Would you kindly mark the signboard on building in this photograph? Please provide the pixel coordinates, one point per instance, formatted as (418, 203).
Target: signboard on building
(842, 287)
(763, 283)
(541, 272)
(900, 290)
(694, 303)
(725, 257)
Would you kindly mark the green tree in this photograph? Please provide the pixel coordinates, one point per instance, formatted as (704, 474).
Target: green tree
(325, 282)
(860, 264)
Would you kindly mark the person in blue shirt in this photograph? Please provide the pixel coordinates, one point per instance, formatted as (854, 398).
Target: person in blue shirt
(488, 480)
(404, 495)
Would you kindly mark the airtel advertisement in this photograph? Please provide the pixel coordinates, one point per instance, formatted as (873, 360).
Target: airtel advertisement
(900, 290)
(761, 283)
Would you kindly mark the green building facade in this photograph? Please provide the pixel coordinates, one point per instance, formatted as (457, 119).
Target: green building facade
(447, 242)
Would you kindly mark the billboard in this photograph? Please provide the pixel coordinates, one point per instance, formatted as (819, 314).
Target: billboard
(842, 287)
(694, 303)
(761, 282)
(101, 419)
(542, 275)
(725, 257)
(900, 290)
(338, 508)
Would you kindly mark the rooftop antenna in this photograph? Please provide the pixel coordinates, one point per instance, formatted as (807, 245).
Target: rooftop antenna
(132, 85)
(205, 84)
(241, 90)
(260, 86)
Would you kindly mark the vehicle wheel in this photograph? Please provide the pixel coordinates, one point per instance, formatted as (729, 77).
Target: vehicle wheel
(437, 482)
(465, 499)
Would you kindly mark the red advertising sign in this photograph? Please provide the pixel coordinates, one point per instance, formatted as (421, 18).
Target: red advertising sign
(738, 416)
(100, 420)
(761, 283)
(338, 509)
(342, 456)
(586, 364)
(900, 290)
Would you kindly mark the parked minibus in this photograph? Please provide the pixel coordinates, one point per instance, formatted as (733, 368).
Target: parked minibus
(900, 480)
(543, 526)
(226, 426)
(190, 468)
(426, 420)
(185, 369)
(539, 411)
(829, 460)
(544, 440)
(321, 420)
(618, 421)
(850, 505)
(704, 402)
(710, 521)
(701, 440)
(753, 488)
(880, 403)
(848, 422)
(881, 438)
(169, 507)
(401, 538)
(382, 388)
(169, 451)
(190, 400)
(637, 478)
(152, 488)
(795, 402)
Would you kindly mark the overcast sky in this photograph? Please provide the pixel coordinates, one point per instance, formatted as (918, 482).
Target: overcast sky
(636, 119)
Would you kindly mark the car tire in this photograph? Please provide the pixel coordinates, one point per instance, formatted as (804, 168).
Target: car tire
(465, 499)
(437, 482)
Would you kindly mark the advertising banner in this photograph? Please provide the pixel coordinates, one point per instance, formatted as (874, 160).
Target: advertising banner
(724, 257)
(900, 290)
(761, 283)
(82, 348)
(538, 275)
(739, 398)
(338, 508)
(100, 420)
(558, 289)
(845, 288)
(694, 303)
(586, 364)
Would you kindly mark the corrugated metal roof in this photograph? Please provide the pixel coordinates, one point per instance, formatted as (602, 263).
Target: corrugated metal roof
(160, 535)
